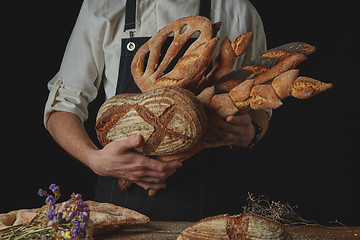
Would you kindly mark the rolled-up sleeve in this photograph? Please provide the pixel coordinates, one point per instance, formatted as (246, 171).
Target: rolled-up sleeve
(78, 80)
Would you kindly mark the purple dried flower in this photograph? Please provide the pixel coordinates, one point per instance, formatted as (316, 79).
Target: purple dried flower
(78, 196)
(42, 192)
(84, 217)
(76, 229)
(60, 217)
(86, 209)
(76, 206)
(73, 214)
(83, 206)
(54, 188)
(83, 231)
(50, 200)
(51, 214)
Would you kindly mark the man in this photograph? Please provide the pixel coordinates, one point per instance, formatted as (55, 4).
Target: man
(104, 40)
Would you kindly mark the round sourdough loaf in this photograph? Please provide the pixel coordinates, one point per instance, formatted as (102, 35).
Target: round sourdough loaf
(170, 120)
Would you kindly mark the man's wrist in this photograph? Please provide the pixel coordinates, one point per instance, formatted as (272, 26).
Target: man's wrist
(90, 157)
(258, 129)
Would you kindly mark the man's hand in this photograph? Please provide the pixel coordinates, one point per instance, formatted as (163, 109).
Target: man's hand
(117, 159)
(234, 130)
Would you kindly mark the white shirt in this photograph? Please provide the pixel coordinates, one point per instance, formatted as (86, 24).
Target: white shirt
(93, 52)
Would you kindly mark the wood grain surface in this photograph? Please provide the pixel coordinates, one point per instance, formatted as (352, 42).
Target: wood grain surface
(170, 230)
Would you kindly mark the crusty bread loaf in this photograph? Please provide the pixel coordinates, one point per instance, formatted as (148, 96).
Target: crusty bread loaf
(170, 120)
(241, 226)
(268, 96)
(263, 82)
(191, 66)
(7, 219)
(106, 217)
(17, 217)
(284, 82)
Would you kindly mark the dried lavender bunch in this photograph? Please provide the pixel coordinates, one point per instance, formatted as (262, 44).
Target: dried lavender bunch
(69, 220)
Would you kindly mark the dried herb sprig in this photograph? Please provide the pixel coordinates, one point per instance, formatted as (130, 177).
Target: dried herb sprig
(281, 212)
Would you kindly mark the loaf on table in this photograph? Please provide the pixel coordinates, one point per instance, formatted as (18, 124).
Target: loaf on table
(105, 216)
(108, 217)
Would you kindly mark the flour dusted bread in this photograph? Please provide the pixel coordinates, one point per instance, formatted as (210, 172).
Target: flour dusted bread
(106, 217)
(242, 226)
(17, 217)
(170, 120)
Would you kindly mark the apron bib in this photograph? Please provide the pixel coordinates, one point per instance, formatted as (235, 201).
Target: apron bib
(205, 185)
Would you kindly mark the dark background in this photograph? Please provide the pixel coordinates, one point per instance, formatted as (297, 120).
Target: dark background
(308, 158)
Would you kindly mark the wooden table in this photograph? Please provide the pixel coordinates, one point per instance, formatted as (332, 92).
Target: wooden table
(171, 230)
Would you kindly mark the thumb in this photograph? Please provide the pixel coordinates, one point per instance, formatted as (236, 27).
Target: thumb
(130, 142)
(134, 141)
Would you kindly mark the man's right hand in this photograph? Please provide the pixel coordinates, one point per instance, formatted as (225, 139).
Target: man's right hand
(117, 159)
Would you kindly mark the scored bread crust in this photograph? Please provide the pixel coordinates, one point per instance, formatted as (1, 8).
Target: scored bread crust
(284, 82)
(263, 82)
(191, 66)
(240, 226)
(170, 120)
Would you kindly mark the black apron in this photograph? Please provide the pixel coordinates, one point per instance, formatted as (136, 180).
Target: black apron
(212, 182)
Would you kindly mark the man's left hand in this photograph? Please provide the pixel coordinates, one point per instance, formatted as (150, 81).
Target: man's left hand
(233, 131)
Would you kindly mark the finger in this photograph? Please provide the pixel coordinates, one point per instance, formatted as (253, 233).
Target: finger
(223, 134)
(236, 126)
(159, 166)
(131, 142)
(222, 139)
(239, 120)
(150, 177)
(221, 124)
(152, 192)
(146, 175)
(148, 180)
(148, 186)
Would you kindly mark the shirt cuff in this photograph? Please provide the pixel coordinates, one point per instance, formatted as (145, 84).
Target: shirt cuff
(66, 98)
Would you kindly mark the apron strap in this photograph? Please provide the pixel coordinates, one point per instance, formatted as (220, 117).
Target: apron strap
(130, 15)
(205, 8)
(130, 12)
(130, 45)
